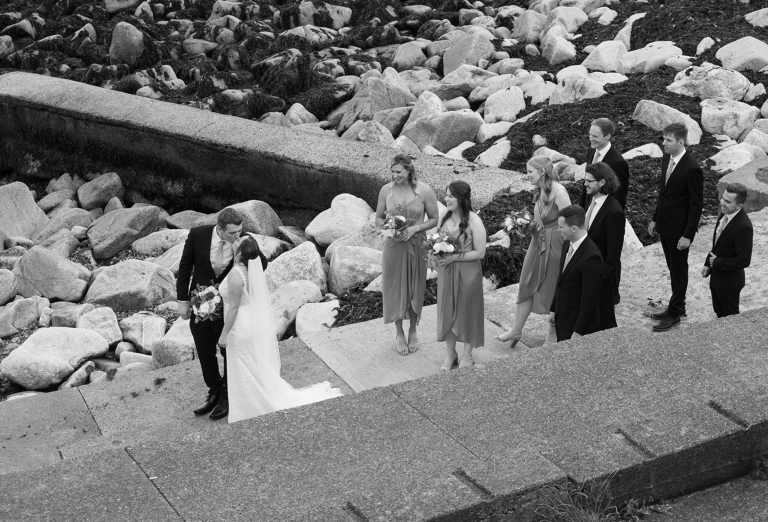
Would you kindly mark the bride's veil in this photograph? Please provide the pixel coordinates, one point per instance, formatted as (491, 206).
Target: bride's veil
(262, 322)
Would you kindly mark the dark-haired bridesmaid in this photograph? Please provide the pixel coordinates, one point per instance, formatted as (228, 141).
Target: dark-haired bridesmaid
(460, 314)
(404, 267)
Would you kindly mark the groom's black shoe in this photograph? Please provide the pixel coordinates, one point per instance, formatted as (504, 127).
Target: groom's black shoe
(210, 403)
(221, 410)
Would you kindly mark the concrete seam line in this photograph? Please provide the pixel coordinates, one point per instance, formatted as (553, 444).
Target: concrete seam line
(101, 434)
(152, 481)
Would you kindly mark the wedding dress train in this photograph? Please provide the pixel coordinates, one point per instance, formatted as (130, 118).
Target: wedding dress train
(253, 356)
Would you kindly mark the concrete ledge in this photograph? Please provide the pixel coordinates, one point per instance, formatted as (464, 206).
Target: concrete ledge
(198, 153)
(754, 176)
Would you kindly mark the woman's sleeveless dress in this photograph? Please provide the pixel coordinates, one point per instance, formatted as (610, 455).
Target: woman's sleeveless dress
(404, 267)
(538, 277)
(460, 294)
(254, 384)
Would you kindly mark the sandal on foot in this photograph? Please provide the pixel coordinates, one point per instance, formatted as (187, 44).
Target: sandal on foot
(413, 343)
(514, 338)
(401, 346)
(464, 363)
(449, 364)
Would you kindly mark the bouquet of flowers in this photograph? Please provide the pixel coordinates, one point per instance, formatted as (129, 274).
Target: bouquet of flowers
(206, 303)
(395, 223)
(517, 223)
(437, 245)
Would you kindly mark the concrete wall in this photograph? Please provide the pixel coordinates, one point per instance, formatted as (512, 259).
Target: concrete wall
(202, 151)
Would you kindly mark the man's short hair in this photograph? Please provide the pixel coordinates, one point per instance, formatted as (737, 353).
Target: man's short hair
(677, 130)
(602, 171)
(229, 216)
(574, 216)
(606, 126)
(738, 189)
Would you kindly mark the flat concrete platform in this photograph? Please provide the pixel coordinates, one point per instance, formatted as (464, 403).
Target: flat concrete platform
(188, 154)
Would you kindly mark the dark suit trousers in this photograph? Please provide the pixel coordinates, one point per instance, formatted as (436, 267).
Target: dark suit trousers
(606, 309)
(563, 334)
(725, 301)
(206, 335)
(618, 280)
(677, 262)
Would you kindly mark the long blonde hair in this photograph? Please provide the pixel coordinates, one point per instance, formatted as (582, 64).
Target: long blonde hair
(548, 176)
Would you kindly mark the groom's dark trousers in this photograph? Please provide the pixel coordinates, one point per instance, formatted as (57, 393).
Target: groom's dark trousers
(195, 268)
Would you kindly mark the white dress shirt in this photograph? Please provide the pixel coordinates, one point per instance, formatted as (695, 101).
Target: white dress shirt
(575, 244)
(227, 254)
(597, 201)
(602, 152)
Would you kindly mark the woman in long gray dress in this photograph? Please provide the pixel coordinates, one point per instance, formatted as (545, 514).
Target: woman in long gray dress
(538, 276)
(460, 314)
(403, 264)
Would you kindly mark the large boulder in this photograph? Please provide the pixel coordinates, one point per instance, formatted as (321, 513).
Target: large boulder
(576, 89)
(131, 285)
(316, 317)
(7, 286)
(528, 26)
(444, 131)
(258, 217)
(103, 321)
(185, 219)
(62, 243)
(65, 220)
(393, 119)
(301, 263)
(649, 58)
(504, 105)
(710, 81)
(19, 214)
(461, 82)
(346, 212)
(494, 84)
(351, 266)
(97, 193)
(18, 315)
(732, 158)
(67, 316)
(727, 116)
(287, 300)
(428, 104)
(744, 54)
(54, 199)
(143, 329)
(657, 116)
(558, 50)
(44, 273)
(170, 259)
(112, 232)
(50, 355)
(367, 235)
(469, 50)
(177, 346)
(127, 45)
(159, 242)
(606, 56)
(495, 155)
(408, 56)
(374, 95)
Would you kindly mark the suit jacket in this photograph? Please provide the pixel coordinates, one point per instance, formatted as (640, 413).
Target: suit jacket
(733, 252)
(607, 232)
(680, 201)
(578, 289)
(195, 265)
(616, 161)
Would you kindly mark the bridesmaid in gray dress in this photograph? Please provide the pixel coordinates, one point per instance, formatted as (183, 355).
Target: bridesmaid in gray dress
(460, 314)
(404, 267)
(538, 277)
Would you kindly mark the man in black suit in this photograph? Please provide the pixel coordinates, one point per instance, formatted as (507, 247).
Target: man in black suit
(207, 259)
(605, 224)
(676, 218)
(731, 251)
(574, 310)
(601, 150)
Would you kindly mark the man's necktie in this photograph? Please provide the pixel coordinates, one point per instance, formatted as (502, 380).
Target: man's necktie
(217, 266)
(596, 159)
(568, 256)
(670, 168)
(589, 212)
(723, 224)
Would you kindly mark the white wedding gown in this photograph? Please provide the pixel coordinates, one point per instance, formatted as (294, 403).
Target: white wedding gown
(253, 355)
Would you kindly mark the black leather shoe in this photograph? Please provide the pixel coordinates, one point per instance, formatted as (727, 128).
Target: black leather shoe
(210, 403)
(667, 324)
(616, 299)
(660, 316)
(221, 410)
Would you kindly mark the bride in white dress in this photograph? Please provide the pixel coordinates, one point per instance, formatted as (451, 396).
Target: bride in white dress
(253, 356)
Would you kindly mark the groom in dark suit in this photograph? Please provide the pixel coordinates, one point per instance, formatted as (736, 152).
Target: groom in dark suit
(605, 224)
(574, 310)
(207, 259)
(676, 218)
(731, 251)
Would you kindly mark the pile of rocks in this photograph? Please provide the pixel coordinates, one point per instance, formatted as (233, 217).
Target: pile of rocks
(75, 263)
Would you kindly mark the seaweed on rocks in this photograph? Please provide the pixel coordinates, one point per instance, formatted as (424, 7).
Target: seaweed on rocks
(365, 10)
(291, 77)
(357, 305)
(319, 100)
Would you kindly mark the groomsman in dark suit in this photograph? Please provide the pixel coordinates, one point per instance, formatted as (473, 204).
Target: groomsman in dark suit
(605, 226)
(207, 259)
(676, 218)
(601, 150)
(574, 310)
(731, 251)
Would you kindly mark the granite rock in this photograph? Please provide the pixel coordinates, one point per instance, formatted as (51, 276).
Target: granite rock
(132, 284)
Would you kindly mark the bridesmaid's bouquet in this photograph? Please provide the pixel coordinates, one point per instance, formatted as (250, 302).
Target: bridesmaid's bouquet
(395, 223)
(517, 223)
(206, 303)
(437, 245)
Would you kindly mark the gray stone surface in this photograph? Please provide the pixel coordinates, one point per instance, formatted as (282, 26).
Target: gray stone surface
(30, 440)
(754, 176)
(228, 151)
